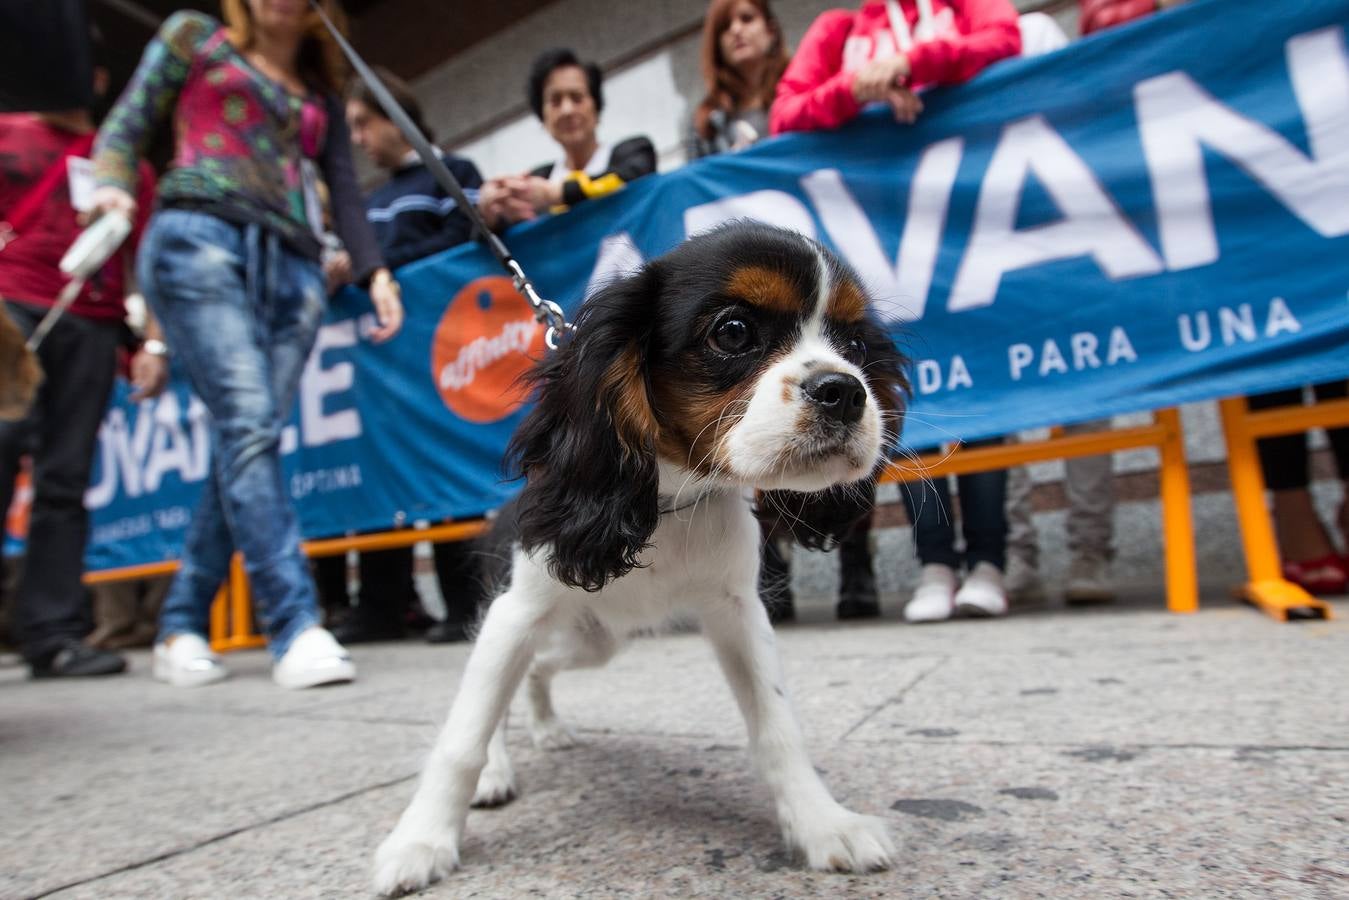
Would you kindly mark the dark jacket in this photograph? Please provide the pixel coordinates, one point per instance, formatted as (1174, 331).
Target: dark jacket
(628, 160)
(412, 215)
(728, 129)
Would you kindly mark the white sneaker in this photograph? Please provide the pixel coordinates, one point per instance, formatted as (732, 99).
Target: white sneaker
(934, 598)
(186, 660)
(314, 658)
(982, 594)
(1089, 581)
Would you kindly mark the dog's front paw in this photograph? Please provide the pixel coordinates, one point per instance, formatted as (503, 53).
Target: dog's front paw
(843, 841)
(496, 787)
(406, 863)
(552, 734)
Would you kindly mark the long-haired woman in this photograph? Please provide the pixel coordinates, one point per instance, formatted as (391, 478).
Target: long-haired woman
(230, 265)
(743, 56)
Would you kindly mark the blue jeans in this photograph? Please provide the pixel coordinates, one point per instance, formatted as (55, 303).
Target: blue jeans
(240, 312)
(983, 519)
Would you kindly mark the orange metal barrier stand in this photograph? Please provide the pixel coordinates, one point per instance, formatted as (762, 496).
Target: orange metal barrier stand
(1164, 434)
(1266, 587)
(232, 612)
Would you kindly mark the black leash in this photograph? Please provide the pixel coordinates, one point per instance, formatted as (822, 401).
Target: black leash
(546, 311)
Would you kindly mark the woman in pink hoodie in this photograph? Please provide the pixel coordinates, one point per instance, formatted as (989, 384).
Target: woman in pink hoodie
(886, 51)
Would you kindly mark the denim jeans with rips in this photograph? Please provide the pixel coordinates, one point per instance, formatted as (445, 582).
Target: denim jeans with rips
(240, 312)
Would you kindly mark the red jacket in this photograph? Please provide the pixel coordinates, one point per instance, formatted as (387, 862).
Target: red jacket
(1099, 14)
(952, 45)
(29, 270)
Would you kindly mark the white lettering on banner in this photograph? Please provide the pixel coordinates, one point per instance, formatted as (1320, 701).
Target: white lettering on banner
(481, 352)
(136, 459)
(618, 258)
(1121, 348)
(1236, 325)
(1092, 224)
(123, 529)
(772, 207)
(960, 375)
(325, 481)
(317, 383)
(1051, 359)
(171, 517)
(133, 460)
(1280, 319)
(118, 461)
(1177, 119)
(170, 449)
(902, 287)
(929, 375)
(1083, 344)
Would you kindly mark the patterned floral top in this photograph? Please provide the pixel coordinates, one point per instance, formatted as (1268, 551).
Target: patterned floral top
(245, 148)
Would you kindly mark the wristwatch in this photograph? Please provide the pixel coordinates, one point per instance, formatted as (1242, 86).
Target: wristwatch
(155, 347)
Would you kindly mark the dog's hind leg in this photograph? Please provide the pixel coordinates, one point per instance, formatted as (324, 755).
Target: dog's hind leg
(496, 784)
(828, 835)
(586, 644)
(424, 846)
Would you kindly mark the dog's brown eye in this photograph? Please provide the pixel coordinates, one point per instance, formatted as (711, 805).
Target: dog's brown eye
(732, 336)
(856, 351)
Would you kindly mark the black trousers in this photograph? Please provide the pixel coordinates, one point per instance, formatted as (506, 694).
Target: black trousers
(1284, 458)
(388, 589)
(79, 357)
(387, 586)
(459, 571)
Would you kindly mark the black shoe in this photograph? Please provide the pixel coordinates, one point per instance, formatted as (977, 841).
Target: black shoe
(356, 630)
(417, 620)
(78, 660)
(447, 632)
(857, 596)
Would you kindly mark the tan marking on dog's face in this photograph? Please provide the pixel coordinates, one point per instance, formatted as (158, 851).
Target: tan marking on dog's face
(848, 303)
(766, 289)
(697, 424)
(631, 409)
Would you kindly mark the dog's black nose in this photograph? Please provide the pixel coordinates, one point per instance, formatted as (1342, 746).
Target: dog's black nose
(839, 396)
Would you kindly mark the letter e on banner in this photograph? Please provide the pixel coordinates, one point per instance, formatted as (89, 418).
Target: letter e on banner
(485, 341)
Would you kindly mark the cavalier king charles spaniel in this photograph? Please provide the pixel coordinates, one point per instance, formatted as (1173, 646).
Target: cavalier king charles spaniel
(745, 360)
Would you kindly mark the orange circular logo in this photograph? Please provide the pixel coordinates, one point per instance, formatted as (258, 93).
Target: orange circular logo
(486, 340)
(21, 504)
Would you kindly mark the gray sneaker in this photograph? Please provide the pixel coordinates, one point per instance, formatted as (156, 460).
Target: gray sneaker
(1089, 581)
(1023, 584)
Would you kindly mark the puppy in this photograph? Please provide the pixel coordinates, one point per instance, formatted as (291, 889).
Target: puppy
(744, 360)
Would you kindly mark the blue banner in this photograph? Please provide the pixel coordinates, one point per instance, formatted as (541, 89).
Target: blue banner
(1154, 215)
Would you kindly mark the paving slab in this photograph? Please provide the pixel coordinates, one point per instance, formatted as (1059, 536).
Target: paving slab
(1111, 752)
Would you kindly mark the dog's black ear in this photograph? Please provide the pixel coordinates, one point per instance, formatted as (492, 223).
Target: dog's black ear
(587, 448)
(818, 520)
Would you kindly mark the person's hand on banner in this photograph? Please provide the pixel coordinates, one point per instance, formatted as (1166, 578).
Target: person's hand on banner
(110, 199)
(337, 269)
(877, 79)
(150, 366)
(387, 299)
(504, 201)
(538, 192)
(905, 104)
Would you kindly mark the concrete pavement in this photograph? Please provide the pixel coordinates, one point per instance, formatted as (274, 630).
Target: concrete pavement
(1113, 752)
